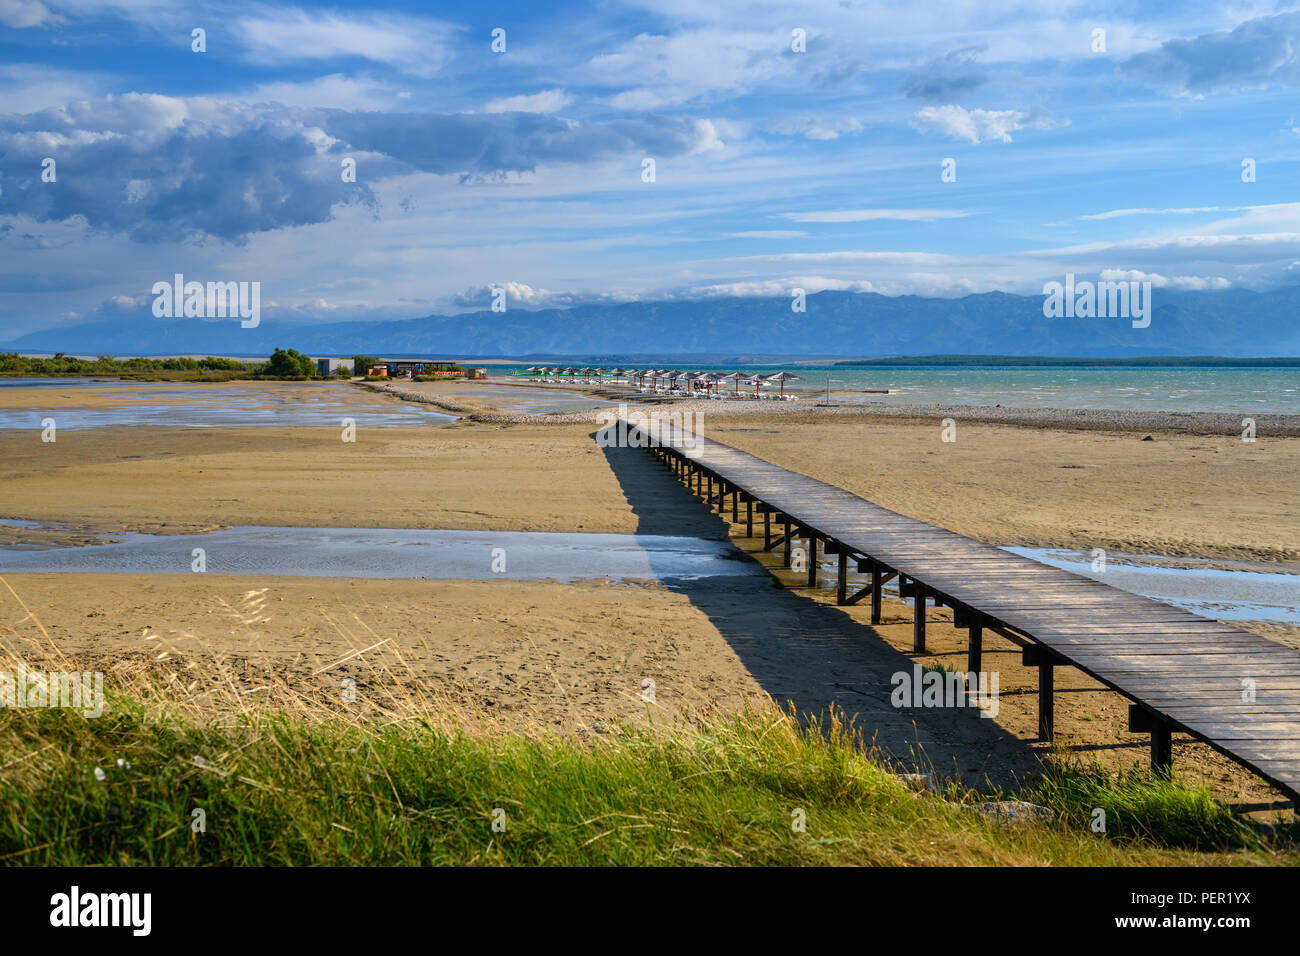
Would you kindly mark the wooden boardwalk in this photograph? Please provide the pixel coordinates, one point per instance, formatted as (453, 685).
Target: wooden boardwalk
(1237, 692)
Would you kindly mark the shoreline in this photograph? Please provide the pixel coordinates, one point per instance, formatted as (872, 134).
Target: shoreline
(1194, 423)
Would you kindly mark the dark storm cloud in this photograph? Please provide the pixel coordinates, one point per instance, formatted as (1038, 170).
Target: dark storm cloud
(487, 144)
(154, 175)
(156, 168)
(948, 77)
(1261, 52)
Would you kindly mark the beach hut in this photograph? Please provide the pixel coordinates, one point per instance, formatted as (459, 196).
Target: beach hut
(784, 377)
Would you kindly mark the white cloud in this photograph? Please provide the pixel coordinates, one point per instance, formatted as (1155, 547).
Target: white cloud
(817, 127)
(768, 234)
(416, 45)
(708, 141)
(337, 91)
(524, 296)
(978, 126)
(654, 71)
(754, 288)
(1186, 283)
(547, 101)
(25, 88)
(25, 13)
(1144, 211)
(869, 215)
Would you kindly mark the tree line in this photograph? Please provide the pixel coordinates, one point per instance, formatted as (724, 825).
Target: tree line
(287, 364)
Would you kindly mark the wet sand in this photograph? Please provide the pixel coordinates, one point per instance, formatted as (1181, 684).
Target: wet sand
(1179, 495)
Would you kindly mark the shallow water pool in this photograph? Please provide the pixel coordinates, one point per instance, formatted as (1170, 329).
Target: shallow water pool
(396, 553)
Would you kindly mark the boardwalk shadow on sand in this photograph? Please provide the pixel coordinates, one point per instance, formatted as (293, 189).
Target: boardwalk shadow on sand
(816, 656)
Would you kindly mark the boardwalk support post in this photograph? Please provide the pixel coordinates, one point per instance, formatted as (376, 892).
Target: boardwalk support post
(877, 581)
(918, 622)
(812, 560)
(1141, 720)
(1035, 655)
(1056, 616)
(749, 517)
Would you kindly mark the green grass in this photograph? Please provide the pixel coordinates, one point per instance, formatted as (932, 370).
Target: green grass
(1141, 809)
(284, 788)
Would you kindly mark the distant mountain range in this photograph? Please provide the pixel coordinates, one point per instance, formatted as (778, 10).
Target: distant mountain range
(1232, 322)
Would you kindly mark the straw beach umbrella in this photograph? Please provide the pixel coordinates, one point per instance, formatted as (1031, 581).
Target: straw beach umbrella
(784, 377)
(736, 377)
(710, 379)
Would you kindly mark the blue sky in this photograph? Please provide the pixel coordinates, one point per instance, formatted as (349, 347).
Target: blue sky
(773, 168)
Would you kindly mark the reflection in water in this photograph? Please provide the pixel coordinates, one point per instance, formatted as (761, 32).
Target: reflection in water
(208, 406)
(398, 553)
(1206, 591)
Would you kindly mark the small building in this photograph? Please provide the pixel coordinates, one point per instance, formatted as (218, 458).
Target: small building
(378, 371)
(402, 368)
(326, 367)
(478, 374)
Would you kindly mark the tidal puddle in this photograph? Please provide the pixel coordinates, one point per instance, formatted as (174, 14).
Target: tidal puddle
(1200, 588)
(219, 406)
(532, 401)
(397, 553)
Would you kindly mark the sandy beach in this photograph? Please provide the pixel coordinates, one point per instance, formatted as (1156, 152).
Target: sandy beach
(1179, 494)
(573, 656)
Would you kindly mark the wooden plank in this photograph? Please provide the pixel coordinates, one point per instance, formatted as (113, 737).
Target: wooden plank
(1186, 669)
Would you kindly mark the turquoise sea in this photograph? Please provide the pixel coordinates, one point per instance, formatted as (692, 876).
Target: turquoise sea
(1244, 390)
